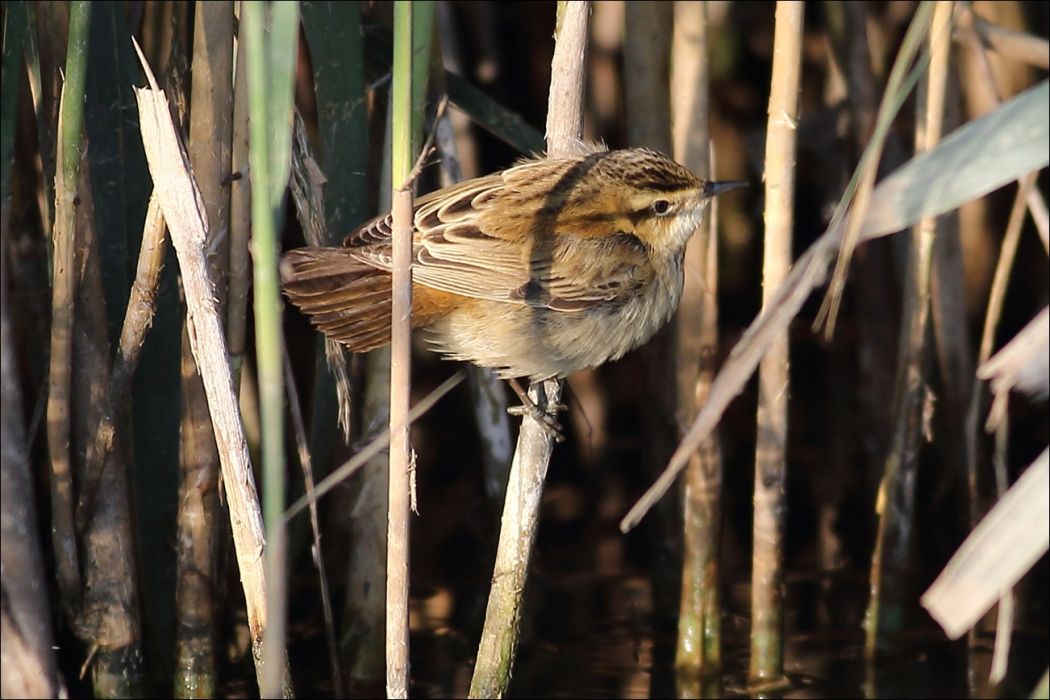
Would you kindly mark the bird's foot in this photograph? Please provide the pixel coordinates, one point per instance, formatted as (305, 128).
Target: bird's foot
(547, 419)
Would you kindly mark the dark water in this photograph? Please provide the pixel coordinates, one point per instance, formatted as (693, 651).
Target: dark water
(591, 637)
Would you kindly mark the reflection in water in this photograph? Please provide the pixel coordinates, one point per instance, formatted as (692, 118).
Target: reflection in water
(621, 657)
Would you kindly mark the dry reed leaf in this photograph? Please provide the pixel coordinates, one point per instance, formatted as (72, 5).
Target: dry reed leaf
(1010, 539)
(1023, 364)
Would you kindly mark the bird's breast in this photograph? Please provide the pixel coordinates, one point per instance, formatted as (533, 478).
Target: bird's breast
(537, 342)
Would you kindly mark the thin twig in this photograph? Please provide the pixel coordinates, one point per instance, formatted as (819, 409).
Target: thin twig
(374, 447)
(302, 445)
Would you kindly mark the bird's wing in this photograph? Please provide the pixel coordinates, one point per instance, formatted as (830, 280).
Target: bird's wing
(483, 238)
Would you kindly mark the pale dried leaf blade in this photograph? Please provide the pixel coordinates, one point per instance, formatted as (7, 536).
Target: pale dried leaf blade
(1010, 539)
(1024, 362)
(975, 159)
(170, 169)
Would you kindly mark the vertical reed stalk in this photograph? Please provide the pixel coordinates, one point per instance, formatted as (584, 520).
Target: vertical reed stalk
(109, 619)
(699, 629)
(896, 499)
(210, 157)
(271, 53)
(499, 636)
(239, 275)
(399, 498)
(70, 125)
(767, 577)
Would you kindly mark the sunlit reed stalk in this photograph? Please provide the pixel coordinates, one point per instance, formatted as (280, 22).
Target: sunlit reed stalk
(896, 496)
(699, 651)
(70, 126)
(770, 497)
(399, 499)
(499, 636)
(271, 53)
(178, 195)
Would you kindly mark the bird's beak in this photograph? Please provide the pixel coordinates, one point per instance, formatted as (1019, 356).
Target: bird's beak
(715, 188)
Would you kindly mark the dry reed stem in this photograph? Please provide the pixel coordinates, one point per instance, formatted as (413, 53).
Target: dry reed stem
(1004, 622)
(137, 319)
(183, 210)
(499, 636)
(63, 295)
(1034, 50)
(109, 619)
(698, 651)
(401, 457)
(210, 136)
(896, 497)
(992, 315)
(399, 498)
(239, 272)
(770, 498)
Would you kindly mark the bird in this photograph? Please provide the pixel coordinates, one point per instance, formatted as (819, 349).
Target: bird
(553, 265)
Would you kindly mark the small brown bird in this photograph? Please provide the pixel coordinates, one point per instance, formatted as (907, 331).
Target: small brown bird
(551, 266)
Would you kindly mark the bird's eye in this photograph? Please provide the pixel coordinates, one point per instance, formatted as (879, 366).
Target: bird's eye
(661, 207)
